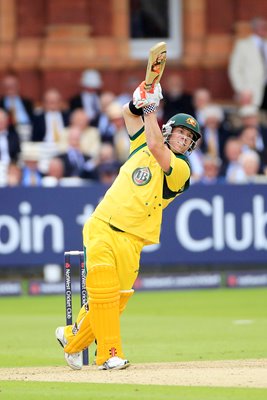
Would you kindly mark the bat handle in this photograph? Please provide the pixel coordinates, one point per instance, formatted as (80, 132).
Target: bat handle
(148, 87)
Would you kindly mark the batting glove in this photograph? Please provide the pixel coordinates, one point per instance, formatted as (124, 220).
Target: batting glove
(141, 98)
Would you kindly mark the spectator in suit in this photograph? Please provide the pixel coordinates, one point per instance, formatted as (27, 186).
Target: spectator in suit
(9, 140)
(249, 139)
(106, 167)
(105, 127)
(248, 63)
(250, 165)
(196, 163)
(74, 160)
(107, 154)
(231, 166)
(54, 173)
(214, 135)
(250, 117)
(108, 172)
(90, 135)
(19, 108)
(14, 173)
(175, 98)
(211, 174)
(49, 124)
(88, 98)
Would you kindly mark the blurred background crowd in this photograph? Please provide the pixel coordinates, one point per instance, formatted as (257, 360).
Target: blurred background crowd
(83, 139)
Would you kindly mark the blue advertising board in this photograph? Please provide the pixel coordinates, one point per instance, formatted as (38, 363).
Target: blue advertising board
(207, 224)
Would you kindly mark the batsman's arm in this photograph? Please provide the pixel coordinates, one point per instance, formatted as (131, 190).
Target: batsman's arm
(155, 141)
(133, 119)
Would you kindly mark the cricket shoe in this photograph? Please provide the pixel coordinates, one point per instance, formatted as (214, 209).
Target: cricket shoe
(74, 360)
(60, 336)
(115, 363)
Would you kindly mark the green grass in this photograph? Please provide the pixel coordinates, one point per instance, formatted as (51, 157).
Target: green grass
(62, 391)
(198, 325)
(156, 327)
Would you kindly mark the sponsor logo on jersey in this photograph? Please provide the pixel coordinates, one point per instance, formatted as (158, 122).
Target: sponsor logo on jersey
(141, 176)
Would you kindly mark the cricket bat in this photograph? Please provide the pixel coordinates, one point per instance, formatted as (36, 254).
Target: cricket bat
(155, 65)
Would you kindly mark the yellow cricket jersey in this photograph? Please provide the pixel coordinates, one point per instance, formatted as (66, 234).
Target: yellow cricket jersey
(135, 201)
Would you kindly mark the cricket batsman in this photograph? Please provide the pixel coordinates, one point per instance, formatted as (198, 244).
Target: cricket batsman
(128, 218)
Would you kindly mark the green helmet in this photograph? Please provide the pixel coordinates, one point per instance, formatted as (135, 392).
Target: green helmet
(184, 120)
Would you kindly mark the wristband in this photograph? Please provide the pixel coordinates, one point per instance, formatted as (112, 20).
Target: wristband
(149, 109)
(134, 110)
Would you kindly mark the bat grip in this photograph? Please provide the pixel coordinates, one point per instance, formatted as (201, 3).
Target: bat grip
(149, 87)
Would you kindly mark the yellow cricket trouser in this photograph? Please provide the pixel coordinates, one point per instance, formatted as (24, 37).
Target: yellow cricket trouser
(112, 261)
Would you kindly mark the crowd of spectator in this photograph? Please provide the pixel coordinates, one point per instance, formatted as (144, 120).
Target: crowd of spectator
(61, 142)
(84, 139)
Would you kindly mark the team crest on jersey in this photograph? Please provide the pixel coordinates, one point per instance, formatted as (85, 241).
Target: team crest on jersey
(191, 121)
(141, 176)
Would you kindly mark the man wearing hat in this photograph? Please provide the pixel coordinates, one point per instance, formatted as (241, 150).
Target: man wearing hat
(88, 98)
(30, 156)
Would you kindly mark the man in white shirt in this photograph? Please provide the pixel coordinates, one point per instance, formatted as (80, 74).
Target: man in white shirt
(248, 63)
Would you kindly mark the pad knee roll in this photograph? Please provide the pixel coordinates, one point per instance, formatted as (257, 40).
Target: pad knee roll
(103, 285)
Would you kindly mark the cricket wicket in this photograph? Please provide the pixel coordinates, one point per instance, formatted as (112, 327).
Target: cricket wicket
(68, 291)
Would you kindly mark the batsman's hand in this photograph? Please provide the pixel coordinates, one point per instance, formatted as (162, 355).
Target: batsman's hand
(141, 98)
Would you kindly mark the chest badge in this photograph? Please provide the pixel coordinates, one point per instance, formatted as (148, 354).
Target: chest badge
(141, 176)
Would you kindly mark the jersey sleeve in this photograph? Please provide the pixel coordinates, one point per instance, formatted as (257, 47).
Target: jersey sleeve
(179, 173)
(137, 140)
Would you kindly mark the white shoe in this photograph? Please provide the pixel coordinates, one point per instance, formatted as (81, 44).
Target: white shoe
(60, 336)
(115, 363)
(75, 360)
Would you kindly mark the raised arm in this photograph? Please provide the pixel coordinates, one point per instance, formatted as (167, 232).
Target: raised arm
(148, 103)
(155, 140)
(133, 119)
